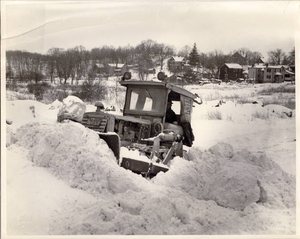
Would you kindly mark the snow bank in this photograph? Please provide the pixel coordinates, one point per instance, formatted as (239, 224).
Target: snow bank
(35, 197)
(221, 190)
(231, 179)
(77, 155)
(217, 191)
(235, 112)
(21, 112)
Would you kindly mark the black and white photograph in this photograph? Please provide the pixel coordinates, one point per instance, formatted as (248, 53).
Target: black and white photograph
(149, 118)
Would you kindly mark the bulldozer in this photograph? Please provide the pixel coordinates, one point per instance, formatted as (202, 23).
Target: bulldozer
(144, 125)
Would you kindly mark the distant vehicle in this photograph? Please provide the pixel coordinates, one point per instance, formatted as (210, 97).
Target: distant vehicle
(143, 125)
(216, 81)
(204, 82)
(211, 81)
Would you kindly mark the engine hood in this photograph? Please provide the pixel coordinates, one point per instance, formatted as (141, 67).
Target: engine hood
(133, 119)
(118, 117)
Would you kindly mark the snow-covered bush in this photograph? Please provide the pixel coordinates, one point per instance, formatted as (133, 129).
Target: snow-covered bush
(92, 89)
(264, 115)
(214, 115)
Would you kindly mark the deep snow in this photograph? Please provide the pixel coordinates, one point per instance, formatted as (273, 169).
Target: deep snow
(239, 179)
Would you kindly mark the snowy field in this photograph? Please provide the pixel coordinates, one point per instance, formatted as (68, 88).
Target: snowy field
(239, 179)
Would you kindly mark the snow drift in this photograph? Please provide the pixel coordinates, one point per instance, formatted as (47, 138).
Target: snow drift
(185, 200)
(221, 189)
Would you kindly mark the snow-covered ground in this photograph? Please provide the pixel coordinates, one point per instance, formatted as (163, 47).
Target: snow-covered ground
(60, 179)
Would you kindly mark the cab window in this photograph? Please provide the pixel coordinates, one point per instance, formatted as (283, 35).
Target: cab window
(147, 100)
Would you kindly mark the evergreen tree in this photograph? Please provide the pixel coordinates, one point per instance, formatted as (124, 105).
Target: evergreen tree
(194, 57)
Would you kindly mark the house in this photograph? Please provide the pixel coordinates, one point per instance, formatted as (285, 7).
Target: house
(256, 73)
(274, 74)
(231, 71)
(260, 61)
(293, 69)
(187, 67)
(99, 68)
(289, 75)
(115, 69)
(176, 63)
(238, 59)
(270, 74)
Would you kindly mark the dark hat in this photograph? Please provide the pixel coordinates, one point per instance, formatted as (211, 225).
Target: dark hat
(100, 105)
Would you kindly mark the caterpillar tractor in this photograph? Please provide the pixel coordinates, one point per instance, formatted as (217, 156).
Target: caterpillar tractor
(145, 126)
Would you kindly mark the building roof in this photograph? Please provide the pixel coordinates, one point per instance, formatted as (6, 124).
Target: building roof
(177, 58)
(233, 66)
(258, 66)
(276, 67)
(289, 72)
(99, 65)
(246, 67)
(237, 54)
(114, 65)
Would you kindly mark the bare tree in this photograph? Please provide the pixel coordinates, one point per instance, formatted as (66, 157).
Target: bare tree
(291, 57)
(19, 62)
(125, 54)
(25, 65)
(80, 64)
(9, 65)
(214, 61)
(254, 57)
(276, 57)
(146, 55)
(164, 52)
(51, 59)
(95, 55)
(35, 67)
(65, 64)
(185, 51)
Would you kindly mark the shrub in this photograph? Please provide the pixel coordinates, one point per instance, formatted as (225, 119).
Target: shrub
(261, 115)
(232, 97)
(38, 89)
(12, 85)
(54, 94)
(280, 89)
(92, 91)
(214, 115)
(289, 103)
(36, 76)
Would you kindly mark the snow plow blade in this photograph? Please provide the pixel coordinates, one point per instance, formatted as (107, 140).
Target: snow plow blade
(113, 142)
(143, 167)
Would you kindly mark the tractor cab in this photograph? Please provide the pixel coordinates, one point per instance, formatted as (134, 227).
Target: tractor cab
(153, 101)
(146, 125)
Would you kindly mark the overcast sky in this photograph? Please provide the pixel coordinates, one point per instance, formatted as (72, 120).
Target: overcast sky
(227, 26)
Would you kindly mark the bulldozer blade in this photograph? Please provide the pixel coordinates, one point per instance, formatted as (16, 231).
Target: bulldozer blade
(156, 168)
(113, 142)
(135, 165)
(143, 167)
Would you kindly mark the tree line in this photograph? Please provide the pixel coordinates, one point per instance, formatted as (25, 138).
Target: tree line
(75, 63)
(213, 60)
